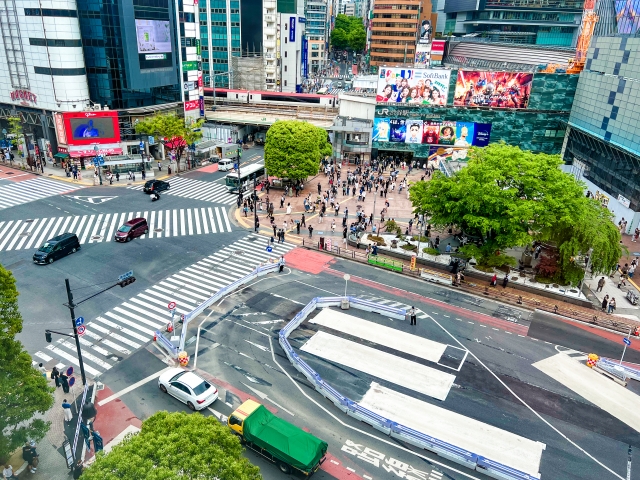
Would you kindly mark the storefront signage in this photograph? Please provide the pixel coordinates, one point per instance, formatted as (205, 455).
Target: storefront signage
(189, 66)
(24, 95)
(292, 29)
(191, 105)
(625, 202)
(60, 131)
(189, 86)
(404, 112)
(155, 56)
(104, 150)
(62, 149)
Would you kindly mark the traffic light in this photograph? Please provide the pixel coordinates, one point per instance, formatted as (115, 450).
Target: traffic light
(126, 281)
(47, 335)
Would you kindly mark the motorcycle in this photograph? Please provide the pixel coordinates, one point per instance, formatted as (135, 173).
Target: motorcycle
(155, 196)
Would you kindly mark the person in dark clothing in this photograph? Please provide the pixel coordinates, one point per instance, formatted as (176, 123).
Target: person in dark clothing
(302, 222)
(55, 376)
(64, 381)
(310, 231)
(412, 315)
(30, 455)
(78, 468)
(505, 280)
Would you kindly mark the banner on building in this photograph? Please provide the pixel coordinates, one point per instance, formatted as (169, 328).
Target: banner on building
(437, 52)
(305, 56)
(413, 86)
(292, 29)
(493, 89)
(425, 32)
(423, 56)
(431, 132)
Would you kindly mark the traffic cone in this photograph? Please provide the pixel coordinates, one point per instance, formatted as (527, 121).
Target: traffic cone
(169, 328)
(155, 338)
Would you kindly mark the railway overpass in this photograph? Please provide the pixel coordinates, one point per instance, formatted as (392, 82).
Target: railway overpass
(266, 115)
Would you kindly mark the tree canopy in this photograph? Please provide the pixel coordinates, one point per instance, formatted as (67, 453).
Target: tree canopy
(175, 446)
(511, 197)
(349, 32)
(293, 149)
(171, 131)
(23, 390)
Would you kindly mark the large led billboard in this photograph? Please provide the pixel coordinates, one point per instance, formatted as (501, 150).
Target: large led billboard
(154, 43)
(492, 89)
(91, 128)
(431, 132)
(413, 86)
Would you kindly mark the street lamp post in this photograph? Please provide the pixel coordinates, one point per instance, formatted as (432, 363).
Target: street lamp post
(97, 162)
(239, 182)
(255, 205)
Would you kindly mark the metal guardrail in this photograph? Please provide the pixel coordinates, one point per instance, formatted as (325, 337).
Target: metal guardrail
(388, 427)
(619, 370)
(520, 299)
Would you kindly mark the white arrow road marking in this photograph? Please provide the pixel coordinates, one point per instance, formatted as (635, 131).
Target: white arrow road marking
(95, 199)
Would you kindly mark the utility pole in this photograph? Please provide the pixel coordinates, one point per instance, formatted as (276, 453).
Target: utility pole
(239, 182)
(71, 306)
(255, 205)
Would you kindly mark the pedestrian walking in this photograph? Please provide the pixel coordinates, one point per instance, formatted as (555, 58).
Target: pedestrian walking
(66, 407)
(494, 280)
(55, 376)
(605, 302)
(30, 455)
(281, 263)
(302, 221)
(612, 305)
(64, 381)
(412, 315)
(42, 370)
(600, 285)
(333, 226)
(288, 208)
(310, 231)
(117, 176)
(78, 469)
(505, 280)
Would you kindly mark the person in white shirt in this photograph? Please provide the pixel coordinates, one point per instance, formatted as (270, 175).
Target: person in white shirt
(7, 473)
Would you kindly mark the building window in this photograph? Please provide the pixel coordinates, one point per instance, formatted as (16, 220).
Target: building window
(285, 54)
(50, 42)
(285, 68)
(285, 83)
(50, 12)
(59, 71)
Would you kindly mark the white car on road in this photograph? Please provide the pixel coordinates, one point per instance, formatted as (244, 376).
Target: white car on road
(188, 387)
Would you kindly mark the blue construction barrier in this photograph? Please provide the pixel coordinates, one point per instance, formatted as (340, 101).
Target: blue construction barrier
(401, 432)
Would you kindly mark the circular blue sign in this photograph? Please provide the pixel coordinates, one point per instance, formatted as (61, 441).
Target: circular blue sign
(72, 381)
(69, 371)
(269, 248)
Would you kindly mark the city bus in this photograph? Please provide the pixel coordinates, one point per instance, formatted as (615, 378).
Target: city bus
(245, 177)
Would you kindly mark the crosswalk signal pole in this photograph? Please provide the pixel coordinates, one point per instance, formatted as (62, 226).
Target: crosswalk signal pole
(239, 183)
(71, 306)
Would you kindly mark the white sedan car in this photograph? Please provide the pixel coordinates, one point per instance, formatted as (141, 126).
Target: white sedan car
(188, 387)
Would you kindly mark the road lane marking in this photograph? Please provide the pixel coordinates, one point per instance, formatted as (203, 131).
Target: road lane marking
(132, 387)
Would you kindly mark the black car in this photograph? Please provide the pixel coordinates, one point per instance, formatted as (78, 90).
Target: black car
(155, 186)
(56, 248)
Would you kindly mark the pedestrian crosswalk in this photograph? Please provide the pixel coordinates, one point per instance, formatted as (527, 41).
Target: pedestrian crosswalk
(198, 190)
(31, 233)
(119, 332)
(17, 193)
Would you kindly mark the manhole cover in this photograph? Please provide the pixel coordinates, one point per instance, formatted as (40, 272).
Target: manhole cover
(96, 237)
(159, 230)
(239, 252)
(28, 220)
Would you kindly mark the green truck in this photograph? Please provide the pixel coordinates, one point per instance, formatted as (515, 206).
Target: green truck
(284, 444)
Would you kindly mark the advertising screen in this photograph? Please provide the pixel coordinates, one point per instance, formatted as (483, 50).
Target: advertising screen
(417, 86)
(414, 131)
(154, 36)
(425, 32)
(381, 129)
(423, 56)
(398, 130)
(493, 89)
(91, 128)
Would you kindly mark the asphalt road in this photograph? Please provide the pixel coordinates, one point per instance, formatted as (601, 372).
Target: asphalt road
(497, 384)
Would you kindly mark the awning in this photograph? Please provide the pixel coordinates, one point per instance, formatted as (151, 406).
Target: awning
(61, 155)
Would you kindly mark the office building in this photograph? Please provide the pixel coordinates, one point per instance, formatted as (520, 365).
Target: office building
(349, 9)
(220, 39)
(601, 146)
(293, 52)
(317, 27)
(394, 30)
(537, 22)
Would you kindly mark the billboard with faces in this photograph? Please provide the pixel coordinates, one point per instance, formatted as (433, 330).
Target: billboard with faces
(413, 86)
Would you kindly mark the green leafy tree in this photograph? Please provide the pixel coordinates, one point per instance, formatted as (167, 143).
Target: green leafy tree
(349, 32)
(23, 390)
(171, 131)
(16, 131)
(293, 149)
(510, 197)
(175, 446)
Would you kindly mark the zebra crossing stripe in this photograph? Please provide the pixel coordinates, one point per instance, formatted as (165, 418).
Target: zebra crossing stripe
(18, 193)
(198, 190)
(131, 324)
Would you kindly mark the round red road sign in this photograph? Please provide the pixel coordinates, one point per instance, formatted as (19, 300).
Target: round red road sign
(81, 329)
(171, 305)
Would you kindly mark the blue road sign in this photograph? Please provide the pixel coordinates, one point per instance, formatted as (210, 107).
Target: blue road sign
(626, 341)
(124, 276)
(141, 145)
(72, 381)
(79, 321)
(269, 249)
(69, 371)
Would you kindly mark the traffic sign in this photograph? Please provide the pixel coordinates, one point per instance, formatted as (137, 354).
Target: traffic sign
(171, 305)
(81, 330)
(269, 249)
(72, 381)
(79, 321)
(69, 371)
(124, 276)
(626, 341)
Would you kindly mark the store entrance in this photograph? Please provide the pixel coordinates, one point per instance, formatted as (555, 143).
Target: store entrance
(390, 157)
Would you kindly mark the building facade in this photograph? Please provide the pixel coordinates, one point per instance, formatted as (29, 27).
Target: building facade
(292, 52)
(317, 28)
(538, 22)
(220, 39)
(602, 146)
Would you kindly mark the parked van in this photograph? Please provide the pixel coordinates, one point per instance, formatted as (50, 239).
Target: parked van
(58, 247)
(225, 165)
(132, 229)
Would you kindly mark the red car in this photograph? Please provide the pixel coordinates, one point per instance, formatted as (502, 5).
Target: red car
(135, 227)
